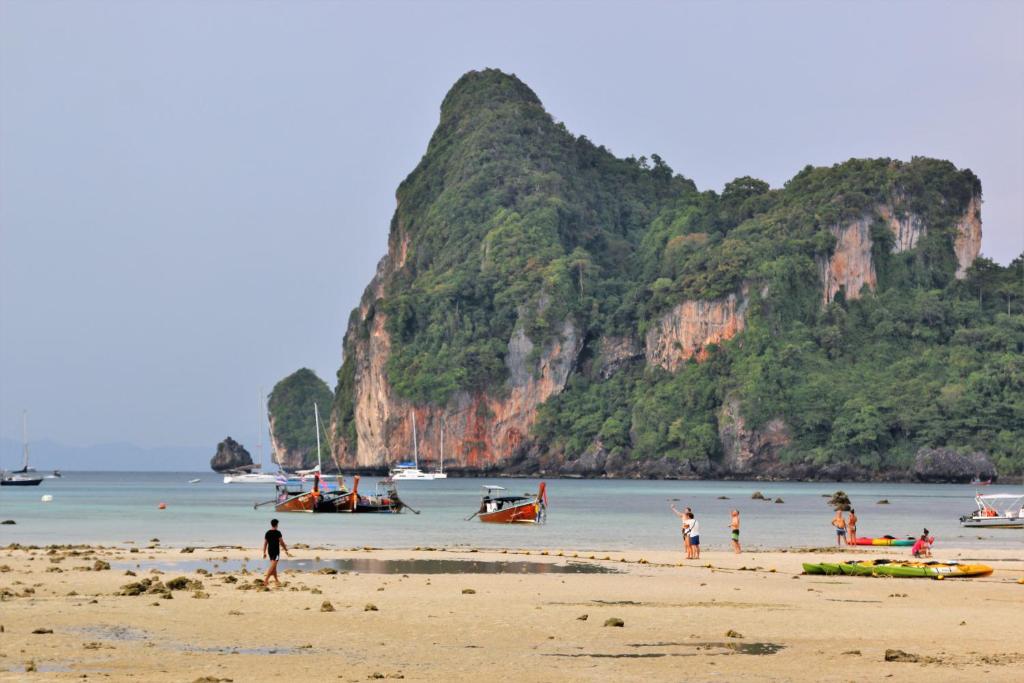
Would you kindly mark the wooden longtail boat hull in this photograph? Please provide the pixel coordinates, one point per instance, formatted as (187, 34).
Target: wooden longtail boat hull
(379, 504)
(526, 513)
(322, 501)
(307, 502)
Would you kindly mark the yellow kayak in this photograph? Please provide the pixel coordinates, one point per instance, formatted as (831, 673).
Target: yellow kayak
(908, 569)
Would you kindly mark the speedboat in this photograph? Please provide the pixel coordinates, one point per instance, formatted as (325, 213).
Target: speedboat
(997, 511)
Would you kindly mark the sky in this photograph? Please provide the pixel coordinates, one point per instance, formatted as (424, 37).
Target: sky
(193, 195)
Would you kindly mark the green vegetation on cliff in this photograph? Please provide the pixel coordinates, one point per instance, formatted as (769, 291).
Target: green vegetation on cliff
(291, 407)
(511, 220)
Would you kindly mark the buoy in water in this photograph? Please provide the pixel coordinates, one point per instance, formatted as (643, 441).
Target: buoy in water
(47, 498)
(161, 506)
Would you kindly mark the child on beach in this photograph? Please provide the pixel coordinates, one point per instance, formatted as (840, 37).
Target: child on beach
(923, 546)
(273, 544)
(840, 524)
(734, 531)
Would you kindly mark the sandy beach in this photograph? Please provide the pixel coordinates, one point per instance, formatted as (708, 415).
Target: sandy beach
(723, 618)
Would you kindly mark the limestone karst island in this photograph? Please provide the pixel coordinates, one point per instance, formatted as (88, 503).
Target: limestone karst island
(445, 341)
(555, 310)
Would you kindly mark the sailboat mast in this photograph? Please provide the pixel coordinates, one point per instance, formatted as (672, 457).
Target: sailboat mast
(24, 438)
(316, 414)
(415, 450)
(259, 424)
(442, 447)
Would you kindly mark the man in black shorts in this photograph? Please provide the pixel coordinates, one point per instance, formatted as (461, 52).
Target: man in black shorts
(273, 544)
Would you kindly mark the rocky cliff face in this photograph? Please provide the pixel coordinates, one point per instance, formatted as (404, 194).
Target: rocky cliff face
(944, 465)
(614, 352)
(481, 431)
(230, 455)
(289, 458)
(691, 326)
(967, 244)
(749, 451)
(907, 228)
(851, 266)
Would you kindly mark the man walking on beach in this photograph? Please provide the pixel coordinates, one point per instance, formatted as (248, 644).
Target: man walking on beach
(840, 524)
(273, 544)
(734, 530)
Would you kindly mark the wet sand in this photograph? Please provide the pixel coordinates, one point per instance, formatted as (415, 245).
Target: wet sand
(751, 617)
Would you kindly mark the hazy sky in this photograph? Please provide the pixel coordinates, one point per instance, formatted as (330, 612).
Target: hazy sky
(194, 194)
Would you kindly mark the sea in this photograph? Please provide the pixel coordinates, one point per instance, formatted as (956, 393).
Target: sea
(583, 514)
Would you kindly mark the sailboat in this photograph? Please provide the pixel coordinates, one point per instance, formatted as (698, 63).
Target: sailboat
(439, 473)
(26, 476)
(243, 477)
(410, 471)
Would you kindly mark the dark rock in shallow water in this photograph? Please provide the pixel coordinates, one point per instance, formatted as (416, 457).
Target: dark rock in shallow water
(944, 465)
(230, 455)
(840, 501)
(8, 521)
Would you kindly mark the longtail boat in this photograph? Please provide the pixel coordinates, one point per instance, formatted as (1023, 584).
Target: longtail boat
(498, 507)
(320, 499)
(385, 499)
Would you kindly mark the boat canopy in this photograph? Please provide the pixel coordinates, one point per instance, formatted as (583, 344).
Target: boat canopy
(1001, 496)
(488, 487)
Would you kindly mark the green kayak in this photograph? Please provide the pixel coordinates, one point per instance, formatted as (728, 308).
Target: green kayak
(831, 568)
(856, 569)
(813, 569)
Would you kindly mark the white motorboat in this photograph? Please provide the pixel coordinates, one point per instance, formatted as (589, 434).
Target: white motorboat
(996, 511)
(250, 478)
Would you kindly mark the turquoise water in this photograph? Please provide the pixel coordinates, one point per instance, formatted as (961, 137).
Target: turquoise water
(605, 515)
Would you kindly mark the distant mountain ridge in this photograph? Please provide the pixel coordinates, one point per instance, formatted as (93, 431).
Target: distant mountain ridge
(47, 455)
(550, 308)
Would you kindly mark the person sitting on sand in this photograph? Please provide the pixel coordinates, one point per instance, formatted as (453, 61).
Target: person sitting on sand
(694, 537)
(685, 527)
(273, 544)
(851, 528)
(840, 524)
(734, 530)
(922, 546)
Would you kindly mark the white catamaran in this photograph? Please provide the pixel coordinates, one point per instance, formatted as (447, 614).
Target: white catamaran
(996, 510)
(410, 471)
(249, 477)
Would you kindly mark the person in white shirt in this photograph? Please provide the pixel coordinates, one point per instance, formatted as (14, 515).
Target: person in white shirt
(685, 527)
(694, 538)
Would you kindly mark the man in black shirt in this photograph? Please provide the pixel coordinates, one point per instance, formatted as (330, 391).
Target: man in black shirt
(273, 544)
